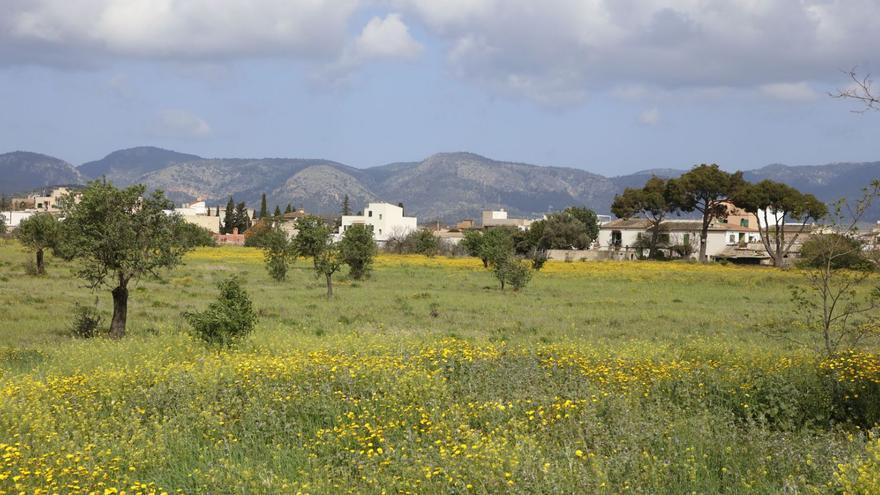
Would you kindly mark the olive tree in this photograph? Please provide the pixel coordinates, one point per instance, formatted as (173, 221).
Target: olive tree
(705, 189)
(278, 252)
(313, 239)
(38, 233)
(120, 235)
(775, 204)
(358, 248)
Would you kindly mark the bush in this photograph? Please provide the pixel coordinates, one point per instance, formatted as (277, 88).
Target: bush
(843, 251)
(278, 252)
(423, 242)
(192, 235)
(511, 271)
(228, 319)
(86, 322)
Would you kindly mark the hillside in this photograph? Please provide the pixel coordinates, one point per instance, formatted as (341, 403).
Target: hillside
(22, 171)
(124, 167)
(447, 186)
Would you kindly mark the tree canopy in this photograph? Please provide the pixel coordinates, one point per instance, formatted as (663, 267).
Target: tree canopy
(38, 232)
(653, 201)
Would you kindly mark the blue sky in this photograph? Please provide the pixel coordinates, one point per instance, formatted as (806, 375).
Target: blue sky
(610, 86)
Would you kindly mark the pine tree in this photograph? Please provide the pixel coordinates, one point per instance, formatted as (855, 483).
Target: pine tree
(346, 208)
(229, 220)
(277, 212)
(242, 219)
(264, 210)
(289, 208)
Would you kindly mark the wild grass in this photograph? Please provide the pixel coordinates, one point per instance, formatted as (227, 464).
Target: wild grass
(426, 378)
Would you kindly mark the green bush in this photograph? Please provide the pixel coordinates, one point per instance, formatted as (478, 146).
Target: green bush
(192, 235)
(228, 319)
(86, 322)
(278, 252)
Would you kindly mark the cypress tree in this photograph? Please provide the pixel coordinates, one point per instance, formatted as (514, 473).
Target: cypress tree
(346, 208)
(277, 211)
(229, 220)
(264, 210)
(289, 208)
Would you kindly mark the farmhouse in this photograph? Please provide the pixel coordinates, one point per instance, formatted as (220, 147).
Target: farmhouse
(386, 219)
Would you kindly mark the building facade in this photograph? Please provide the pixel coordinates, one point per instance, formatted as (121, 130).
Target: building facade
(386, 219)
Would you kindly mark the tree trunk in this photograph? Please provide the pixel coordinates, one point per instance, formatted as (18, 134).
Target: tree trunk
(329, 286)
(41, 266)
(703, 236)
(120, 310)
(779, 259)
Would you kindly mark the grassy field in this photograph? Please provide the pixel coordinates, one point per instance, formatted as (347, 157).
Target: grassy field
(597, 378)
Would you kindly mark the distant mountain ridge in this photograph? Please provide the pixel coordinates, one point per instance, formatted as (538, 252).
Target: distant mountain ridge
(446, 186)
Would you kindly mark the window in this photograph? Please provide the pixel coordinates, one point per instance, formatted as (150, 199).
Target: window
(686, 239)
(731, 239)
(380, 216)
(744, 222)
(369, 213)
(616, 238)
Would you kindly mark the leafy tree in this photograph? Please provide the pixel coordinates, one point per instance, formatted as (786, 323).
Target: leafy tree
(327, 262)
(588, 218)
(775, 204)
(228, 319)
(564, 231)
(192, 235)
(653, 201)
(120, 235)
(278, 252)
(358, 248)
(346, 207)
(497, 245)
(839, 251)
(38, 232)
(256, 235)
(706, 189)
(423, 241)
(229, 220)
(511, 271)
(312, 236)
(473, 245)
(264, 210)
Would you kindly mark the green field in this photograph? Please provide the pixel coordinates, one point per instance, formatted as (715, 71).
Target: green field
(639, 377)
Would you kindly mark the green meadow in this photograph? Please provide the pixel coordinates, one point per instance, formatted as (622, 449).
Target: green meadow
(602, 377)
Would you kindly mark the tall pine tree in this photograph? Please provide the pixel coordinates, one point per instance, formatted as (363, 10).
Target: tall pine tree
(346, 207)
(277, 211)
(289, 208)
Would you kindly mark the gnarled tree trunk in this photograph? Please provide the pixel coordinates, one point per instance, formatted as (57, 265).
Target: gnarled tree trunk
(120, 309)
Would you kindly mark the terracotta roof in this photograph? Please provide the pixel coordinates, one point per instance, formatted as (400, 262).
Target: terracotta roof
(628, 223)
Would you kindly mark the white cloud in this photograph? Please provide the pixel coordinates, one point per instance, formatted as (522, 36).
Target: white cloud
(650, 116)
(199, 29)
(386, 37)
(794, 92)
(578, 46)
(177, 123)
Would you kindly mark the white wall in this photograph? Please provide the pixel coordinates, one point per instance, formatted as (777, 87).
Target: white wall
(386, 219)
(13, 218)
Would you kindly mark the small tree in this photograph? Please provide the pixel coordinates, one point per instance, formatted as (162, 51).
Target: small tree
(653, 201)
(278, 252)
(774, 204)
(120, 236)
(312, 236)
(358, 248)
(228, 319)
(38, 232)
(423, 241)
(473, 245)
(706, 189)
(346, 207)
(497, 245)
(512, 271)
(327, 262)
(565, 231)
(834, 305)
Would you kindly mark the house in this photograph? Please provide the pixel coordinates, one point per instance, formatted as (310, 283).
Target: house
(733, 237)
(499, 218)
(198, 214)
(47, 199)
(386, 219)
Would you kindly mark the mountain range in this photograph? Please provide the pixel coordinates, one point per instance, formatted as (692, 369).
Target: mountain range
(447, 186)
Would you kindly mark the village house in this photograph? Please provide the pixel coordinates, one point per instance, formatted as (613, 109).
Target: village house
(386, 219)
(48, 199)
(499, 218)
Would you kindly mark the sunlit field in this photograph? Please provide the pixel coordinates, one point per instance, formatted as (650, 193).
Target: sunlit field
(600, 377)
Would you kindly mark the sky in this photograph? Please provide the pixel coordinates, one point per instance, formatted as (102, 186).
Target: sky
(609, 86)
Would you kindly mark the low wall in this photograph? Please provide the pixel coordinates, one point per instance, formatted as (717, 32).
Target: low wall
(576, 254)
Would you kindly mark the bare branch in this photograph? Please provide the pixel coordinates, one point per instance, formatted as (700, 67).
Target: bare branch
(861, 91)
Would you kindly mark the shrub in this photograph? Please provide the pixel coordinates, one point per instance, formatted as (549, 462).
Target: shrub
(228, 319)
(423, 242)
(86, 322)
(278, 252)
(511, 271)
(842, 251)
(192, 235)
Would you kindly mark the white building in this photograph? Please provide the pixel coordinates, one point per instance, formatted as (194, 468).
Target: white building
(499, 218)
(13, 218)
(198, 214)
(386, 219)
